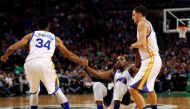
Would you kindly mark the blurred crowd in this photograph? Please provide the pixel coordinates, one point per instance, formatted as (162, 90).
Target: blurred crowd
(91, 29)
(175, 68)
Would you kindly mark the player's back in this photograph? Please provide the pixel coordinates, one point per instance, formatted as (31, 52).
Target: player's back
(42, 45)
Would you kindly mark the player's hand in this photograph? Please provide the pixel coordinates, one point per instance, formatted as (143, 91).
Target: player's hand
(132, 46)
(4, 59)
(85, 63)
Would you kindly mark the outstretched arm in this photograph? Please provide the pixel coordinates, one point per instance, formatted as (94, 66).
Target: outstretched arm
(71, 56)
(107, 75)
(16, 46)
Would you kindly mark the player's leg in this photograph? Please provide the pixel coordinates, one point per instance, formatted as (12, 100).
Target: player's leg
(62, 99)
(51, 82)
(139, 82)
(153, 99)
(127, 102)
(119, 92)
(32, 74)
(100, 91)
(131, 106)
(54, 89)
(151, 80)
(34, 99)
(138, 98)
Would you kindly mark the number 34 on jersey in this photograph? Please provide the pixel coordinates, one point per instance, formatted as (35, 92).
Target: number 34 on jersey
(41, 43)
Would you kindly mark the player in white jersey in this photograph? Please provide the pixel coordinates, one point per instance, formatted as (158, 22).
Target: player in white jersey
(121, 75)
(38, 65)
(150, 59)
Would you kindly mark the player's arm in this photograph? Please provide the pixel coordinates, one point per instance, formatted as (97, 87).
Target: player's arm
(24, 41)
(68, 54)
(142, 29)
(137, 60)
(107, 75)
(133, 70)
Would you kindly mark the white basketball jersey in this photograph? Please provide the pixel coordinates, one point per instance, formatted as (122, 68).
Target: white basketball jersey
(125, 74)
(152, 47)
(42, 45)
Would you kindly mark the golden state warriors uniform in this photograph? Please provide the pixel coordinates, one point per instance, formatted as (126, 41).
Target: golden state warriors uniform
(122, 89)
(38, 65)
(124, 77)
(150, 64)
(119, 91)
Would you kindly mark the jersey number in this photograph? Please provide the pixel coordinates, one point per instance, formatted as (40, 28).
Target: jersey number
(40, 43)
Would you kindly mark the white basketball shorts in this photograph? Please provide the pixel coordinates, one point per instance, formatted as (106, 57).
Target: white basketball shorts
(146, 76)
(41, 69)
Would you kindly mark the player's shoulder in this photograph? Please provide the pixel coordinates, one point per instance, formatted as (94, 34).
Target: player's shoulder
(51, 33)
(58, 39)
(28, 36)
(143, 23)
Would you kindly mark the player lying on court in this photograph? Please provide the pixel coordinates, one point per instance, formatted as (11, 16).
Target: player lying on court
(38, 65)
(121, 75)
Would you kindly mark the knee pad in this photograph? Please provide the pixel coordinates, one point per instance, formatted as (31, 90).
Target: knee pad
(120, 90)
(99, 90)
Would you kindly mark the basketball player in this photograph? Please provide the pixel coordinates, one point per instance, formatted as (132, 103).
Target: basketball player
(38, 65)
(150, 59)
(122, 77)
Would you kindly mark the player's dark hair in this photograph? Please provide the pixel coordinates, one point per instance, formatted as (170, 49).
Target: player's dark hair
(125, 56)
(142, 9)
(43, 22)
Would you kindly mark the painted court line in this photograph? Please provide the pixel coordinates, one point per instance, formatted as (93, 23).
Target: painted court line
(83, 106)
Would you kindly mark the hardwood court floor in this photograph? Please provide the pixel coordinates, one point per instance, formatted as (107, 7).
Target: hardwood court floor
(181, 101)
